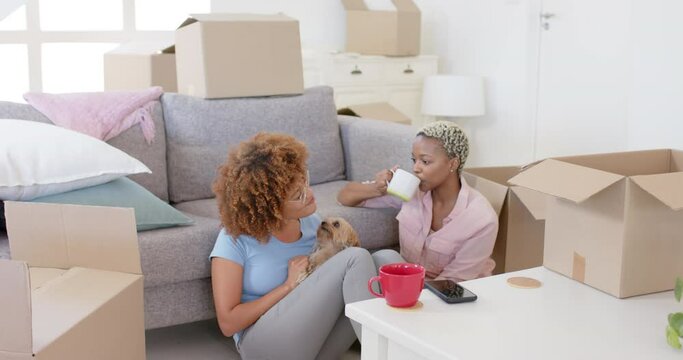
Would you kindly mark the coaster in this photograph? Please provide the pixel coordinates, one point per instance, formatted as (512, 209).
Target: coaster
(524, 282)
(418, 305)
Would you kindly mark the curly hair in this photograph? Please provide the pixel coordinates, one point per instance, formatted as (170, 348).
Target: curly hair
(452, 138)
(253, 184)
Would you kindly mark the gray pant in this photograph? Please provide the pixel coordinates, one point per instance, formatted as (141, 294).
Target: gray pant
(309, 323)
(387, 256)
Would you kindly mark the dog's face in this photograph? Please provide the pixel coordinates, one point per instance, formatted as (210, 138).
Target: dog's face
(337, 231)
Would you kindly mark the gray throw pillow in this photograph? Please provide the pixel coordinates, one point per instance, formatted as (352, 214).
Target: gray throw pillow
(150, 211)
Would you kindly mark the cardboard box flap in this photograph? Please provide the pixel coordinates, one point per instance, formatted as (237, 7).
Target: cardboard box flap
(168, 50)
(401, 5)
(568, 181)
(498, 174)
(358, 5)
(676, 161)
(41, 275)
(665, 187)
(406, 5)
(232, 17)
(63, 302)
(143, 48)
(492, 191)
(377, 111)
(534, 201)
(15, 308)
(64, 236)
(627, 163)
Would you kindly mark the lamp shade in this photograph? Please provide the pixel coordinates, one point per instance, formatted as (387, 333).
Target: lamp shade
(453, 95)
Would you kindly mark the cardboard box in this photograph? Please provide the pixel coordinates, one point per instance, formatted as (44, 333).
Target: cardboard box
(137, 66)
(614, 221)
(375, 32)
(74, 289)
(377, 111)
(238, 55)
(521, 217)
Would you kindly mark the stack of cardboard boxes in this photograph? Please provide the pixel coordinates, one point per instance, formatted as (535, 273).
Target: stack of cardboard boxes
(381, 32)
(216, 56)
(241, 55)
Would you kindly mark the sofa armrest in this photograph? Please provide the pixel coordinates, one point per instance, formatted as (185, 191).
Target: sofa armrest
(373, 145)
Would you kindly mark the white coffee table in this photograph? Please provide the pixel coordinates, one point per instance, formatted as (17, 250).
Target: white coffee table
(563, 319)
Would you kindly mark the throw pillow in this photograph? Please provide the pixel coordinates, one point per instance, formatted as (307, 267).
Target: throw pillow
(150, 211)
(38, 159)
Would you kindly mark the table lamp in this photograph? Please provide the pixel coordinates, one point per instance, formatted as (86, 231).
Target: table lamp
(453, 95)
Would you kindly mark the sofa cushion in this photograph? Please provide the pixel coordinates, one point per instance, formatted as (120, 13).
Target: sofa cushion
(199, 133)
(377, 228)
(205, 207)
(130, 141)
(178, 254)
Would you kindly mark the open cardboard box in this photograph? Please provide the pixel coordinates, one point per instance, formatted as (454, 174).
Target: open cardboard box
(238, 55)
(377, 111)
(381, 32)
(521, 217)
(74, 289)
(135, 66)
(615, 220)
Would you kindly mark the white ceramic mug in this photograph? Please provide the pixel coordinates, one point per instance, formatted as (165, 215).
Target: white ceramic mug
(403, 185)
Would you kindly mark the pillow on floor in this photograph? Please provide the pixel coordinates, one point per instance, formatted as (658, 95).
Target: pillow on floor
(150, 211)
(38, 159)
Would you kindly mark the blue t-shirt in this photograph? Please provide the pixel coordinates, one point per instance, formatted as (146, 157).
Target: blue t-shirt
(264, 265)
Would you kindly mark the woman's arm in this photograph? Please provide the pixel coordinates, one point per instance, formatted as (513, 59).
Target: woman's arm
(354, 193)
(226, 281)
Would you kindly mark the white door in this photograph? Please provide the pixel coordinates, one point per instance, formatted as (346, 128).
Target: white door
(584, 71)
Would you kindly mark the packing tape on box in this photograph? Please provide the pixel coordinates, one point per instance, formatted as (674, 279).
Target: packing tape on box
(579, 268)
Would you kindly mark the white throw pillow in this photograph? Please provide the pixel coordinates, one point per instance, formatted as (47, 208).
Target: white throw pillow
(38, 159)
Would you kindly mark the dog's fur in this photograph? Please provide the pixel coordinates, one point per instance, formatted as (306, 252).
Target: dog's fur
(334, 235)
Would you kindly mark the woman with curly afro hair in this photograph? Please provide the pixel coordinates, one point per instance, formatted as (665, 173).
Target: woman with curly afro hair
(448, 227)
(268, 212)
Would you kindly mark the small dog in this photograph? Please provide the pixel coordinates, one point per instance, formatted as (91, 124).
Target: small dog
(334, 235)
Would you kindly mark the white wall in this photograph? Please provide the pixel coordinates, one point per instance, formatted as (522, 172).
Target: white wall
(656, 105)
(498, 39)
(480, 37)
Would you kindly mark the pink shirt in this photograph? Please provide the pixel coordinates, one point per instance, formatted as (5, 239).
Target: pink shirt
(461, 249)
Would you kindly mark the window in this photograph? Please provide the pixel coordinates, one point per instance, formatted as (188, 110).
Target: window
(81, 15)
(58, 45)
(13, 72)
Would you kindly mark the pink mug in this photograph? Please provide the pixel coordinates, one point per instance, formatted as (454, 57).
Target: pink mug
(401, 283)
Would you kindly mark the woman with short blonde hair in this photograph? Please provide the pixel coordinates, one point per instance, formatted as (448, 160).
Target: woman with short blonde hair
(448, 227)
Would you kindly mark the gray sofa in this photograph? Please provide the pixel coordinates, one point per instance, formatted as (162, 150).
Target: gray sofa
(193, 137)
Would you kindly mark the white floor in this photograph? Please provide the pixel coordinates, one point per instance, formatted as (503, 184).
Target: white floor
(200, 340)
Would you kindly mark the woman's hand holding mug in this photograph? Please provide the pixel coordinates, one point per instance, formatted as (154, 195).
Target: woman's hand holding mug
(382, 179)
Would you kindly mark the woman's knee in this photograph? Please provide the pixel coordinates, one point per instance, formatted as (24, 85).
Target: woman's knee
(357, 254)
(386, 256)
